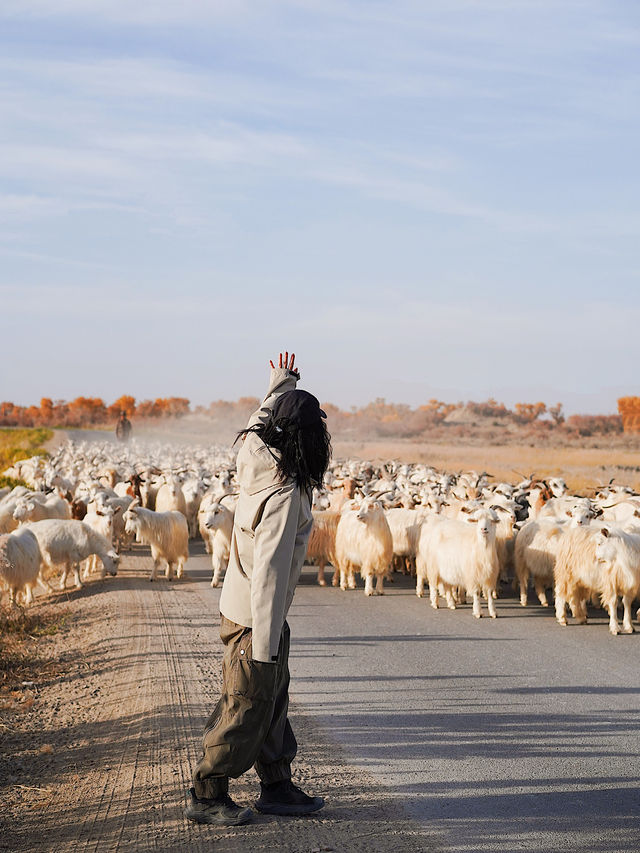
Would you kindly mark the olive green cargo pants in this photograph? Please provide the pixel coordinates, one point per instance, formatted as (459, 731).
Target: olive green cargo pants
(249, 724)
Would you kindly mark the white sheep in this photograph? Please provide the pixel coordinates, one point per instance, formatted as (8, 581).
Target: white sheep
(20, 562)
(165, 532)
(219, 523)
(170, 496)
(578, 574)
(363, 541)
(8, 507)
(30, 509)
(212, 498)
(321, 548)
(193, 491)
(405, 526)
(460, 554)
(102, 521)
(67, 543)
(101, 504)
(565, 505)
(535, 552)
(619, 554)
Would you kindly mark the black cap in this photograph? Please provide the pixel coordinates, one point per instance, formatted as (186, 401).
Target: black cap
(300, 407)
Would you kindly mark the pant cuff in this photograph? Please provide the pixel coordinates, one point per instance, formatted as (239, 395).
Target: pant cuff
(211, 788)
(278, 771)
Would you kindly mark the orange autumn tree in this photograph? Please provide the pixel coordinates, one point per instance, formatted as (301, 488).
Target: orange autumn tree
(527, 413)
(126, 403)
(629, 409)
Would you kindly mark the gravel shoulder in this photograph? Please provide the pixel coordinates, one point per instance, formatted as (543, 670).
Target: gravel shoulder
(99, 756)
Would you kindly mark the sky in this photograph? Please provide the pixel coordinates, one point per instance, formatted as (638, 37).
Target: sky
(421, 199)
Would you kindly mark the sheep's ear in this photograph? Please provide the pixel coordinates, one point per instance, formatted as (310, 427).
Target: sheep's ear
(465, 509)
(605, 532)
(569, 513)
(599, 511)
(472, 520)
(118, 509)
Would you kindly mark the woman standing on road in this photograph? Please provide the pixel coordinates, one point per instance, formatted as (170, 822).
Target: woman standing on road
(285, 452)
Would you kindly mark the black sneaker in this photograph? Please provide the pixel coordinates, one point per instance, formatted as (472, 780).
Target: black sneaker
(221, 811)
(285, 798)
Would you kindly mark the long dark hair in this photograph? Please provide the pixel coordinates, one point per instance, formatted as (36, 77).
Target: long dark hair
(303, 452)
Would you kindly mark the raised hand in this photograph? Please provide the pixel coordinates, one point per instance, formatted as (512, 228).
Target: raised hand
(287, 362)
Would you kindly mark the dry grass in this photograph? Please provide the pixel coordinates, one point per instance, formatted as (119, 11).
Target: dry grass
(582, 467)
(21, 633)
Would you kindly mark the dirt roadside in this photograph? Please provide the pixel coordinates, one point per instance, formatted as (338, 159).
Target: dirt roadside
(99, 757)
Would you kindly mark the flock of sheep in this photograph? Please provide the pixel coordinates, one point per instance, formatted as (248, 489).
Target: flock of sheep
(463, 534)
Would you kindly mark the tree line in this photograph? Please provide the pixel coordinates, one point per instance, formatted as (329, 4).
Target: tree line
(378, 417)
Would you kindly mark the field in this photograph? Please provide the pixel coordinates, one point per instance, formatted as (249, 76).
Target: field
(582, 467)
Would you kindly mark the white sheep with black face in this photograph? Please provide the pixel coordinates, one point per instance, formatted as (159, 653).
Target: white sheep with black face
(459, 555)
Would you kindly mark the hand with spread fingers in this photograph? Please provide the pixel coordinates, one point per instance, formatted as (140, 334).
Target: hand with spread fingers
(287, 362)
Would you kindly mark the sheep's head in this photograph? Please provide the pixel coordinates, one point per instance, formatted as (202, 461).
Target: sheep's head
(605, 546)
(110, 563)
(368, 509)
(558, 487)
(130, 518)
(486, 519)
(506, 511)
(214, 517)
(24, 510)
(582, 514)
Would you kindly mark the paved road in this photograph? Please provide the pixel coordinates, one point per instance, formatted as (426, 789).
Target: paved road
(514, 734)
(504, 735)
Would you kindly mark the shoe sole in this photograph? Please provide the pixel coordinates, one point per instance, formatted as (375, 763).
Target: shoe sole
(285, 810)
(203, 817)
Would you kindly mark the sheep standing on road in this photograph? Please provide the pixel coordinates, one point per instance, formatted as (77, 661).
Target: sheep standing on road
(405, 526)
(219, 524)
(67, 543)
(536, 547)
(102, 521)
(363, 541)
(165, 532)
(619, 554)
(578, 574)
(461, 554)
(20, 562)
(322, 543)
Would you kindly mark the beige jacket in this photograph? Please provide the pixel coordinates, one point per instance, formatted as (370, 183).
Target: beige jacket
(270, 534)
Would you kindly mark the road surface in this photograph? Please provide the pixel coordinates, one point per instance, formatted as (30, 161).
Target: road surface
(424, 730)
